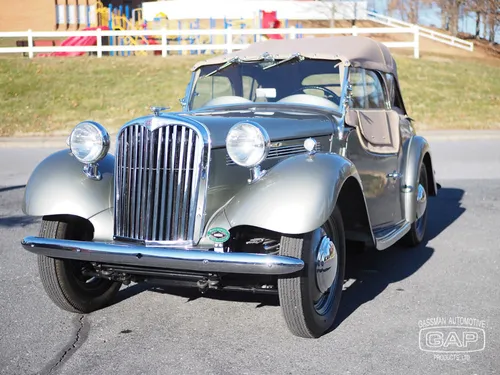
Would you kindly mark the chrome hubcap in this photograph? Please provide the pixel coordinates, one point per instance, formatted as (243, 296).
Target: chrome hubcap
(326, 264)
(421, 201)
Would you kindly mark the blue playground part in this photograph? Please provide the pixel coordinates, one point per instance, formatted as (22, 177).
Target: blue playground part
(110, 25)
(127, 14)
(119, 13)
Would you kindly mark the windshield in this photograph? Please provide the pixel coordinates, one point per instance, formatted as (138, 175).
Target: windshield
(304, 81)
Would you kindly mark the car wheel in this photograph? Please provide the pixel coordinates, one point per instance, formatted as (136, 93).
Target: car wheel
(310, 299)
(65, 283)
(417, 231)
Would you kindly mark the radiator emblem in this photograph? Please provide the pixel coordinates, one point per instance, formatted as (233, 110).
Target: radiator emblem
(218, 235)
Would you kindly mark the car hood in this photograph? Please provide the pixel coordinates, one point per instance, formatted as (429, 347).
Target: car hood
(279, 124)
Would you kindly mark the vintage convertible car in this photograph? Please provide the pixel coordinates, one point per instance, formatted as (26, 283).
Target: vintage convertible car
(285, 154)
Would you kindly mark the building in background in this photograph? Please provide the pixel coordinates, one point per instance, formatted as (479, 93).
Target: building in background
(46, 15)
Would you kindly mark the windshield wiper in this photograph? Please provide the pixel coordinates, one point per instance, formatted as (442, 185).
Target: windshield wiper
(294, 57)
(227, 64)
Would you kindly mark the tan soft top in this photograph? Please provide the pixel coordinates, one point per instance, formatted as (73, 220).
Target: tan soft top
(359, 51)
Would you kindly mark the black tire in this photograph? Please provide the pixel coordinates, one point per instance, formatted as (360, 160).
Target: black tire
(296, 293)
(417, 231)
(63, 281)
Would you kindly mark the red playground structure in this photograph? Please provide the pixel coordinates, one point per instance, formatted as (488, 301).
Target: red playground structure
(269, 20)
(76, 41)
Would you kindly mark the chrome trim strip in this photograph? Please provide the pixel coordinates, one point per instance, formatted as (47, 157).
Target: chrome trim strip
(389, 237)
(167, 258)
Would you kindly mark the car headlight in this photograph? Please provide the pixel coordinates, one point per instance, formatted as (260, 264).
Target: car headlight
(247, 144)
(89, 142)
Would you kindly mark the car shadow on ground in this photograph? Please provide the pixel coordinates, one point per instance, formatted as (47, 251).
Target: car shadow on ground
(9, 188)
(372, 271)
(17, 221)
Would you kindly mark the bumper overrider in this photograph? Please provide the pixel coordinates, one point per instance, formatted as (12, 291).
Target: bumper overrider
(161, 257)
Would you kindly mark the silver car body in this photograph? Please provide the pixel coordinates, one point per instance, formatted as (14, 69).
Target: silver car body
(375, 186)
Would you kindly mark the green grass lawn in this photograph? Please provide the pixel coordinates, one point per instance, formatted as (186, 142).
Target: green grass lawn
(51, 95)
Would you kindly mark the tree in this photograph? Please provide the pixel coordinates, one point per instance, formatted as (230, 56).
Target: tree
(492, 19)
(409, 10)
(329, 8)
(488, 13)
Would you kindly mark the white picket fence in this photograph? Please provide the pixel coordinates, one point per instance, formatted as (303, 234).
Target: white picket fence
(424, 32)
(233, 39)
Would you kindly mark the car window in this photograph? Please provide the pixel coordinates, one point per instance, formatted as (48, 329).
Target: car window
(249, 80)
(211, 87)
(389, 78)
(329, 81)
(395, 97)
(367, 89)
(249, 86)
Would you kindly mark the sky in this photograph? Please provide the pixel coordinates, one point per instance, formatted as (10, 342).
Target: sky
(431, 17)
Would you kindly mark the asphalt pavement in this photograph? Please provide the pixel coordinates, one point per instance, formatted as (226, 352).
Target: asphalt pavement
(391, 300)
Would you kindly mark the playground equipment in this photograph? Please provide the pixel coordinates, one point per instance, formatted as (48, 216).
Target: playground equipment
(123, 18)
(119, 18)
(75, 41)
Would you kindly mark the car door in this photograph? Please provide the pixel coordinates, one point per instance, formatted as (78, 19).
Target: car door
(374, 146)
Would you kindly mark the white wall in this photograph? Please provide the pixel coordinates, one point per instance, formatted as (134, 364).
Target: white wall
(236, 9)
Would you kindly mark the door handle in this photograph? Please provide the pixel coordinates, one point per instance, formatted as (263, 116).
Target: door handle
(394, 175)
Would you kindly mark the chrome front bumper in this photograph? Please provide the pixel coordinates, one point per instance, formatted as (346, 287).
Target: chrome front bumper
(166, 258)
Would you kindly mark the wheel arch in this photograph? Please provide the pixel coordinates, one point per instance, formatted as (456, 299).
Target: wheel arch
(352, 204)
(416, 153)
(58, 186)
(430, 174)
(85, 226)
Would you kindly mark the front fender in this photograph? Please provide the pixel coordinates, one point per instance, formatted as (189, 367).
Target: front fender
(58, 186)
(296, 196)
(416, 151)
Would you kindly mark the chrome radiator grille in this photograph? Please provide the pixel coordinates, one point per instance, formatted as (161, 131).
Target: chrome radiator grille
(157, 183)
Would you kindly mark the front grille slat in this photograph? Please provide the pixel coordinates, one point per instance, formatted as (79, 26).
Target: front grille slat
(185, 213)
(156, 202)
(144, 187)
(138, 186)
(133, 145)
(164, 179)
(171, 182)
(178, 188)
(150, 183)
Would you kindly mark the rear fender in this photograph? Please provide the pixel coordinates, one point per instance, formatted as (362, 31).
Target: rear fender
(58, 186)
(416, 151)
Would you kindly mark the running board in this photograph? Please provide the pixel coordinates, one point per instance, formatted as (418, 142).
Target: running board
(386, 237)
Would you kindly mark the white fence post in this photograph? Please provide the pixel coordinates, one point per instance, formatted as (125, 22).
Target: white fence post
(229, 39)
(163, 42)
(99, 42)
(293, 35)
(30, 44)
(416, 42)
(354, 30)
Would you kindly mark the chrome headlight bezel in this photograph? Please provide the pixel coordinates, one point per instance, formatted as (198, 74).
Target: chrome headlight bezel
(99, 146)
(262, 143)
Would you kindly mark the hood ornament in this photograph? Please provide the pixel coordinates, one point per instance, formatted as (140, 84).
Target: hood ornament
(157, 110)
